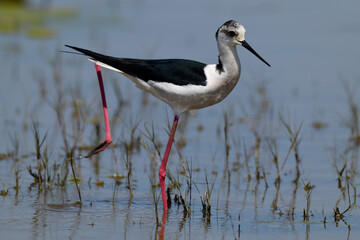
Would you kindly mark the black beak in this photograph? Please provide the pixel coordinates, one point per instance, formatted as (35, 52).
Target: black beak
(247, 46)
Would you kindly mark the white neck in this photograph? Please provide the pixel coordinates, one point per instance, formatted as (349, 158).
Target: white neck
(229, 59)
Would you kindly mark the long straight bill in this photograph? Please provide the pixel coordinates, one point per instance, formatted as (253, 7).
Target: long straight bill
(247, 46)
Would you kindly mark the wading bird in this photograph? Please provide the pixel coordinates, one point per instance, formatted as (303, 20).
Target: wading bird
(182, 84)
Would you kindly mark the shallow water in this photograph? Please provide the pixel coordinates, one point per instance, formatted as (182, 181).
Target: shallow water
(312, 48)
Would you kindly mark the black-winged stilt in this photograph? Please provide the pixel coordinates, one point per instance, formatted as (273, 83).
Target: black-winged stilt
(183, 84)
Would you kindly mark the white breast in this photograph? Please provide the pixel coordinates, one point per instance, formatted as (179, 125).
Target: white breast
(183, 98)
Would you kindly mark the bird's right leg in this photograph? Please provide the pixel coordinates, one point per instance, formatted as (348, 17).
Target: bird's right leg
(102, 146)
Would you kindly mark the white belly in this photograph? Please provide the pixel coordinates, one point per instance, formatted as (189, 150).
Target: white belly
(183, 98)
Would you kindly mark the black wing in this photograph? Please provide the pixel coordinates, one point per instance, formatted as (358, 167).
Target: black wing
(176, 71)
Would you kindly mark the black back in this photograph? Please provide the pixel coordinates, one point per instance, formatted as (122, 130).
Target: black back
(177, 71)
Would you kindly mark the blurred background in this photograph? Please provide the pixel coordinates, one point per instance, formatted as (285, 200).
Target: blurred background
(312, 86)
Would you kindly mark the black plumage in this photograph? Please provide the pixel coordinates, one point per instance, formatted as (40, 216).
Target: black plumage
(177, 71)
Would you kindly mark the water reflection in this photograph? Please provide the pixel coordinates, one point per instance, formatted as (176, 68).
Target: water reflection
(162, 228)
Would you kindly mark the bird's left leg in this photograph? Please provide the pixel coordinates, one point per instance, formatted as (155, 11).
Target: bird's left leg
(102, 146)
(162, 171)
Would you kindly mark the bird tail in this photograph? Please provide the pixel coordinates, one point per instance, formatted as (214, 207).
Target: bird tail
(100, 59)
(86, 52)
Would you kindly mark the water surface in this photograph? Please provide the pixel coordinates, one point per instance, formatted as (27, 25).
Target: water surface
(313, 50)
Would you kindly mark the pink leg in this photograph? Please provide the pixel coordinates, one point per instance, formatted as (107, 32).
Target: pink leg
(162, 171)
(108, 138)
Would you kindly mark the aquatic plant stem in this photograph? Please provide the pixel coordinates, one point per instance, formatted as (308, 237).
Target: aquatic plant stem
(162, 171)
(75, 179)
(102, 146)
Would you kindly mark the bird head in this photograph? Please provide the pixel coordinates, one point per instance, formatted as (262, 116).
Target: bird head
(232, 33)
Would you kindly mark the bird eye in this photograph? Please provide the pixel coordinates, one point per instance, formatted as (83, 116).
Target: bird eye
(231, 33)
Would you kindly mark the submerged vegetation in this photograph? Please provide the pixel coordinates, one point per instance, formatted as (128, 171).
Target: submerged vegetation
(255, 161)
(250, 164)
